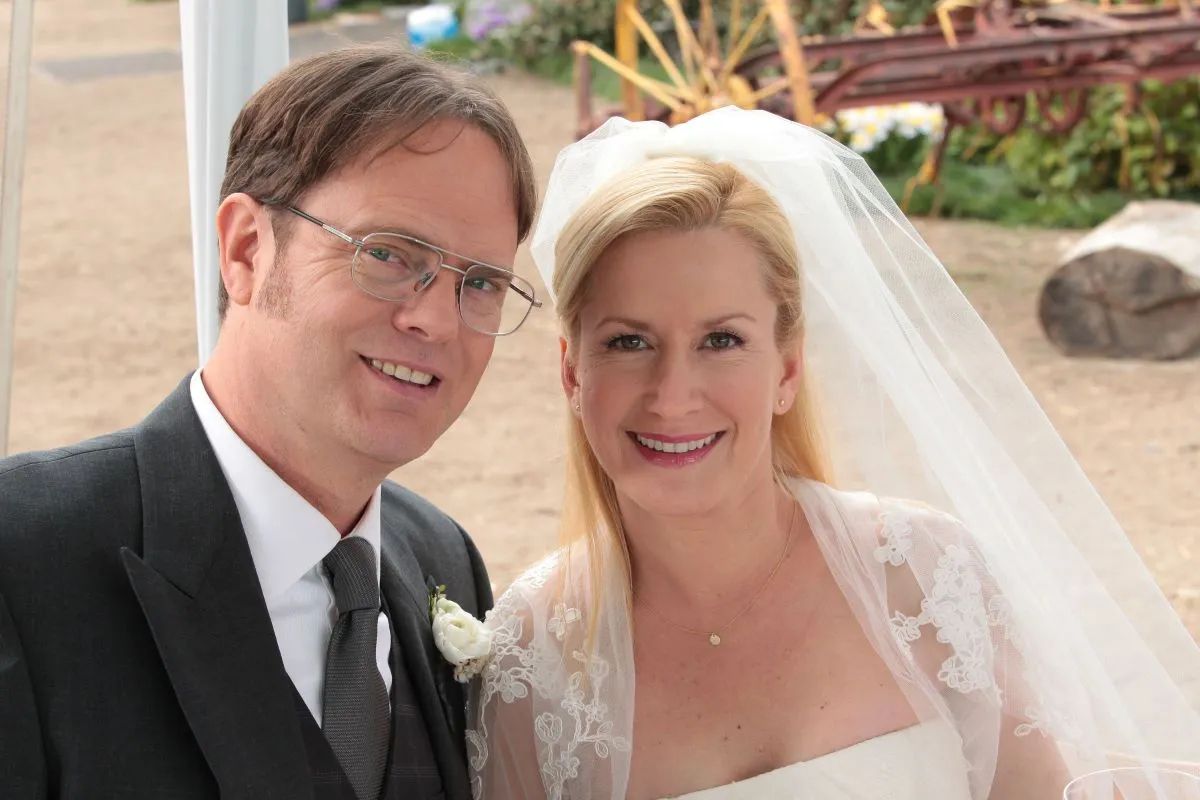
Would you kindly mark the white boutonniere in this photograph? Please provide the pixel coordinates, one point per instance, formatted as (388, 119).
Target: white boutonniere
(463, 640)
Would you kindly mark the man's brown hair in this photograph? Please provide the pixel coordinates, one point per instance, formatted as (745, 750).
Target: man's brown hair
(322, 113)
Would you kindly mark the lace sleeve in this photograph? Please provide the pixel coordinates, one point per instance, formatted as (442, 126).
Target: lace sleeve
(552, 714)
(964, 638)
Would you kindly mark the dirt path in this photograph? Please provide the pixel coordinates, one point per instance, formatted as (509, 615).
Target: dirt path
(105, 315)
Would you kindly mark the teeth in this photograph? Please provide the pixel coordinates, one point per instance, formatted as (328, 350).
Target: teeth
(675, 447)
(402, 372)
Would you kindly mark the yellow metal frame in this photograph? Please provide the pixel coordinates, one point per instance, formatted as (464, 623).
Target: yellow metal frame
(706, 76)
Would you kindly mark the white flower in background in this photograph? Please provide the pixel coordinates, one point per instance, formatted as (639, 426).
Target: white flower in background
(868, 127)
(463, 640)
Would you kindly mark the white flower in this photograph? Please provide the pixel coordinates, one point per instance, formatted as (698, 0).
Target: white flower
(463, 640)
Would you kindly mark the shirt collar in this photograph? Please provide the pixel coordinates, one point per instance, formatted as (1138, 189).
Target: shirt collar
(286, 534)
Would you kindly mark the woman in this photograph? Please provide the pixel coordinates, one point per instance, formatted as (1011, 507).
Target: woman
(723, 622)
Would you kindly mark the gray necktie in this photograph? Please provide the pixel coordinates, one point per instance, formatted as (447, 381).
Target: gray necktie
(355, 709)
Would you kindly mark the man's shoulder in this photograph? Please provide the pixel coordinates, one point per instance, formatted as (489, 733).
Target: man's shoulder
(412, 515)
(429, 532)
(65, 488)
(81, 460)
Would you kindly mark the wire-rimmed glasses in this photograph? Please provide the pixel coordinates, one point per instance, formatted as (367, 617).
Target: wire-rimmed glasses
(397, 267)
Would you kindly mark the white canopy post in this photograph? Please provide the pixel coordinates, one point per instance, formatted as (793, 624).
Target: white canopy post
(230, 49)
(15, 120)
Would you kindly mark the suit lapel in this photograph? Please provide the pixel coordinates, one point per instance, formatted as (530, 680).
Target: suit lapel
(198, 588)
(441, 700)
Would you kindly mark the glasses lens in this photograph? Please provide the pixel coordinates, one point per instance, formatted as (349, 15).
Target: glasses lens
(493, 300)
(391, 267)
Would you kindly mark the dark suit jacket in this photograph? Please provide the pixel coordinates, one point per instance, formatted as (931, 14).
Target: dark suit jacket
(137, 658)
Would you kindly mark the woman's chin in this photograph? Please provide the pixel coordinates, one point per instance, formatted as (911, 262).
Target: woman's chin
(671, 501)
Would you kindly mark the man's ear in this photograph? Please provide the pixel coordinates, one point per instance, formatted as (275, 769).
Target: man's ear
(570, 380)
(245, 245)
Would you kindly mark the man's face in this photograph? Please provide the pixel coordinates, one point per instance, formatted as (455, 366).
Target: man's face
(325, 347)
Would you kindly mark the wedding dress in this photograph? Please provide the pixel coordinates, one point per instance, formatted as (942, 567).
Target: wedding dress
(574, 707)
(877, 769)
(1001, 593)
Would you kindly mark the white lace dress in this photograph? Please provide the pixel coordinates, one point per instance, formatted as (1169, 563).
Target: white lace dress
(553, 715)
(877, 769)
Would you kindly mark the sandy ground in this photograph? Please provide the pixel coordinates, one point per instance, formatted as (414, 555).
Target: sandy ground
(105, 315)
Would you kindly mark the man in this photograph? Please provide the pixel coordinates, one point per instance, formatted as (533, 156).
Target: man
(229, 599)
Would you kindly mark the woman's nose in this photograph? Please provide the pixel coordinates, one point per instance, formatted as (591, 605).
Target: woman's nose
(675, 386)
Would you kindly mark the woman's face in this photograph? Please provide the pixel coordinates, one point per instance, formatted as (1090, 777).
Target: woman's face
(677, 371)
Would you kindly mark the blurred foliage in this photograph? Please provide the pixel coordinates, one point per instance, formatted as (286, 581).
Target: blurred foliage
(1075, 179)
(1151, 151)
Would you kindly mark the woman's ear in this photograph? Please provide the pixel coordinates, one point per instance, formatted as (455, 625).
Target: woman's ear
(570, 380)
(790, 378)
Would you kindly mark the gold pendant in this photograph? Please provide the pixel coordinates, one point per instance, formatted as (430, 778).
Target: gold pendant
(714, 639)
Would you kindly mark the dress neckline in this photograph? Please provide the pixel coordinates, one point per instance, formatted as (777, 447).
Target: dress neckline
(919, 728)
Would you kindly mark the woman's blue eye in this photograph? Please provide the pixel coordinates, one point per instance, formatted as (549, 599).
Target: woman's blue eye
(722, 340)
(626, 341)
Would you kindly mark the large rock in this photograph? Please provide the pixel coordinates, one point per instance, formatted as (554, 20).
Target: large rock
(1130, 288)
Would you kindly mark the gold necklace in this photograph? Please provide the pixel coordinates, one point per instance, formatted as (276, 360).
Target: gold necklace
(714, 636)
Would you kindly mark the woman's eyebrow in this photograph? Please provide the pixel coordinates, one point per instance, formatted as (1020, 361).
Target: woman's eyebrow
(709, 323)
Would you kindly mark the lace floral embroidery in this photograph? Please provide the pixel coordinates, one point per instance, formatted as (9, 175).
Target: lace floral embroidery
(563, 617)
(954, 607)
(897, 534)
(581, 720)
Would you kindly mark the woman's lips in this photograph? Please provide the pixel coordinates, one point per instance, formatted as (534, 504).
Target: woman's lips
(675, 451)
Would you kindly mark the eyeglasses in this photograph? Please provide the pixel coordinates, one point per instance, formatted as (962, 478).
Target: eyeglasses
(391, 266)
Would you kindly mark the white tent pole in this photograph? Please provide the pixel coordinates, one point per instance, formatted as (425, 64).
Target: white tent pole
(15, 119)
(230, 48)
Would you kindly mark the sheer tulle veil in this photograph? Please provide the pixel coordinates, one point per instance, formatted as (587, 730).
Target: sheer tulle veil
(1047, 622)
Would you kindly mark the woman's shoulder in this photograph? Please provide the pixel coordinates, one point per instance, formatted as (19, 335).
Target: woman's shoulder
(869, 515)
(547, 596)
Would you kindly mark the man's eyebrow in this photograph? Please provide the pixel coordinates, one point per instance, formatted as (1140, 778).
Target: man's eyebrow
(368, 228)
(363, 231)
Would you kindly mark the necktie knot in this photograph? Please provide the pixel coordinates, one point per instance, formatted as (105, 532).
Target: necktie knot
(352, 571)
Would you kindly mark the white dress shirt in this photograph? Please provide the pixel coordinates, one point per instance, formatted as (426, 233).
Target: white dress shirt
(288, 538)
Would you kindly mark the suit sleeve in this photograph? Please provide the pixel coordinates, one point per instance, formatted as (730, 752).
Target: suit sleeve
(22, 763)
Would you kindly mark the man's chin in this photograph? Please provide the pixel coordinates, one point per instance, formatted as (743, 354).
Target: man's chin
(395, 449)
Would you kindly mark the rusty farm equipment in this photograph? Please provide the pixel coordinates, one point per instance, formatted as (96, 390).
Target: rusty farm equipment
(983, 61)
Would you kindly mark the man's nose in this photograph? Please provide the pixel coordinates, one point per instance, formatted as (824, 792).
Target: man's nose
(432, 313)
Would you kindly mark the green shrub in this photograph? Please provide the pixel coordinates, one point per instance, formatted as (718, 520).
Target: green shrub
(1152, 152)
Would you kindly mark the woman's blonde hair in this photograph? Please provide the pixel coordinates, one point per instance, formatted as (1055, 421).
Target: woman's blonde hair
(676, 194)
